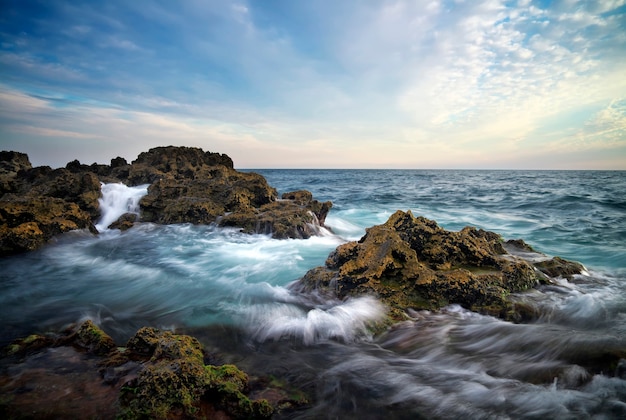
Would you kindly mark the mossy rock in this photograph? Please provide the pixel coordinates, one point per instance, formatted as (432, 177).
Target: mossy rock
(90, 337)
(24, 346)
(175, 382)
(411, 263)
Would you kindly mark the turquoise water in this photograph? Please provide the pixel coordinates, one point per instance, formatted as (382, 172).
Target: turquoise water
(232, 291)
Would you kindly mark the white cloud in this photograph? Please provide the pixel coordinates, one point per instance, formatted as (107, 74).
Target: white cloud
(397, 83)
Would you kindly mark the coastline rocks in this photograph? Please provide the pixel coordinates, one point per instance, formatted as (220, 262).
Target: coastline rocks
(208, 193)
(412, 263)
(188, 185)
(176, 161)
(158, 375)
(27, 223)
(297, 215)
(39, 203)
(175, 382)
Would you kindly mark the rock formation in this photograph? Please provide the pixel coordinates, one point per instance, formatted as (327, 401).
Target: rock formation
(39, 203)
(187, 185)
(412, 263)
(158, 374)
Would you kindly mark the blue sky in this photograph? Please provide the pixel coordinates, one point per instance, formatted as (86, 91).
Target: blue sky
(318, 84)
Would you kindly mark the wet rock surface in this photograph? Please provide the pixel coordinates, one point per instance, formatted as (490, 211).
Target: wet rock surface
(158, 374)
(187, 185)
(412, 263)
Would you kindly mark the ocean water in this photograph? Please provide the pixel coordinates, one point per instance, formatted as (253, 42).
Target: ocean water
(232, 291)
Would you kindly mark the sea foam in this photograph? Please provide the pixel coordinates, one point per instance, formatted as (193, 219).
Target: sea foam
(116, 200)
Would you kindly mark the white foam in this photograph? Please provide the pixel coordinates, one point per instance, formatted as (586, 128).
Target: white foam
(343, 322)
(116, 200)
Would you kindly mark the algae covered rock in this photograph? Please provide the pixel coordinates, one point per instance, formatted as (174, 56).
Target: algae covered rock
(159, 375)
(411, 262)
(91, 338)
(174, 382)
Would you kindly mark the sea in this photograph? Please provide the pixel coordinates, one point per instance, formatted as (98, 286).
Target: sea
(232, 291)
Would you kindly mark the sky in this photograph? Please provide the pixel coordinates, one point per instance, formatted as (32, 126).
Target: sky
(464, 84)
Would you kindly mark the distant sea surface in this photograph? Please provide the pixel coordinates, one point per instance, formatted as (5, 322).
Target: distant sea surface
(231, 291)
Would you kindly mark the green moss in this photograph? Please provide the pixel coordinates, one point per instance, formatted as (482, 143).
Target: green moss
(31, 339)
(12, 349)
(90, 337)
(176, 383)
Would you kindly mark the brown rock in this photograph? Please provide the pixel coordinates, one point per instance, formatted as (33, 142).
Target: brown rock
(410, 262)
(11, 163)
(26, 223)
(558, 267)
(188, 185)
(297, 215)
(124, 222)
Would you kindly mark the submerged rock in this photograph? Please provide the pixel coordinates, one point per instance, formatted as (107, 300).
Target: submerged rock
(412, 263)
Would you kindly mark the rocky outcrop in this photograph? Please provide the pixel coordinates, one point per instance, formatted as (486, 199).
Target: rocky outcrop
(158, 374)
(412, 263)
(297, 215)
(174, 162)
(190, 186)
(27, 223)
(174, 381)
(187, 185)
(10, 164)
(208, 193)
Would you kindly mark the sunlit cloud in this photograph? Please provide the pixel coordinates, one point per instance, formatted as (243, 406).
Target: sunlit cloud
(321, 84)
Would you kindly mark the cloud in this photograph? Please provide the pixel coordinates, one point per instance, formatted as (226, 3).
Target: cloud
(435, 83)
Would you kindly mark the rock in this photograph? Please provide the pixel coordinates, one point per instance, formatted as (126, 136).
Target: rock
(89, 337)
(201, 199)
(179, 162)
(11, 163)
(188, 185)
(158, 375)
(25, 346)
(412, 263)
(558, 267)
(175, 382)
(124, 222)
(297, 215)
(27, 223)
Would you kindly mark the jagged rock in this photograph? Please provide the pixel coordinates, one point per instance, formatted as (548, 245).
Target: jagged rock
(26, 223)
(11, 163)
(90, 338)
(24, 346)
(188, 185)
(411, 262)
(175, 382)
(158, 375)
(44, 203)
(211, 192)
(297, 215)
(178, 162)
